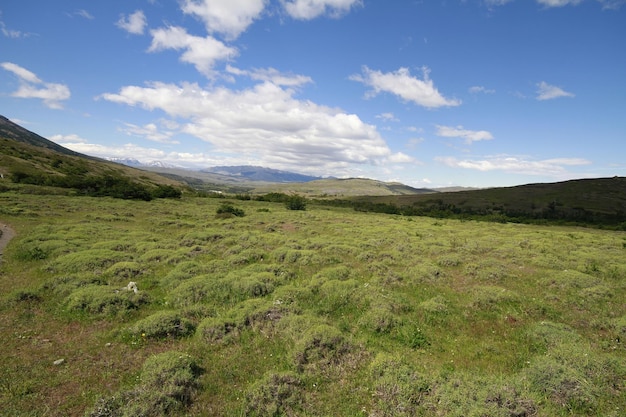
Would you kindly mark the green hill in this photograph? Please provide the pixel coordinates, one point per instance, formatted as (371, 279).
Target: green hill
(600, 201)
(27, 159)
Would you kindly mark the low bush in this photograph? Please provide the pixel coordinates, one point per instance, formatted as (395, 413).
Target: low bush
(164, 324)
(398, 389)
(321, 347)
(104, 300)
(214, 330)
(276, 394)
(168, 383)
(228, 210)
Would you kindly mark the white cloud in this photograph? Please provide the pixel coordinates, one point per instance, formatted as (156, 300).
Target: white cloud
(81, 13)
(558, 3)
(203, 53)
(227, 17)
(546, 91)
(480, 89)
(32, 86)
(459, 132)
(420, 91)
(388, 117)
(310, 9)
(10, 33)
(612, 4)
(151, 132)
(72, 138)
(516, 165)
(272, 75)
(267, 124)
(135, 23)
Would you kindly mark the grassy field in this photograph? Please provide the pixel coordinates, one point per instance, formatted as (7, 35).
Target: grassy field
(323, 312)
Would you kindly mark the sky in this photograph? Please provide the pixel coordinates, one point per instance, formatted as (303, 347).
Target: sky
(431, 93)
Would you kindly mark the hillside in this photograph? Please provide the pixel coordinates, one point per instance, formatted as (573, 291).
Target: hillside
(340, 188)
(29, 159)
(585, 201)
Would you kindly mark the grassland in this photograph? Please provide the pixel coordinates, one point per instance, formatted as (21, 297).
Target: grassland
(321, 312)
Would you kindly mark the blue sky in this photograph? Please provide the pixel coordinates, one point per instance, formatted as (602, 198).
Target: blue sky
(429, 93)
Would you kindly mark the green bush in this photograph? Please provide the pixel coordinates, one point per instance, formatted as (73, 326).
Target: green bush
(398, 389)
(296, 202)
(217, 330)
(276, 394)
(104, 300)
(168, 383)
(321, 347)
(229, 210)
(164, 324)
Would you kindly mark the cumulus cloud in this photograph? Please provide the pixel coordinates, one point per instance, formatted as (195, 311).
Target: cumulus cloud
(310, 9)
(400, 83)
(469, 136)
(516, 164)
(229, 18)
(203, 53)
(267, 124)
(32, 86)
(546, 91)
(134, 23)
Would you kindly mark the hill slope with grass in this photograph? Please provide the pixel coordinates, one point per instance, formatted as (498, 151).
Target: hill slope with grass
(29, 159)
(599, 201)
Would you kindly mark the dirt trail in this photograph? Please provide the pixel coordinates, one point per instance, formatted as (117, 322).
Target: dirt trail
(5, 237)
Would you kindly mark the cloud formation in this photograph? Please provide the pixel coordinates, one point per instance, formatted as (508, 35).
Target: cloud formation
(135, 23)
(400, 83)
(203, 53)
(546, 91)
(469, 136)
(558, 3)
(310, 9)
(32, 87)
(267, 124)
(555, 167)
(229, 18)
(480, 89)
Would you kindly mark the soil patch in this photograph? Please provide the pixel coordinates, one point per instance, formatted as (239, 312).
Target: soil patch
(6, 234)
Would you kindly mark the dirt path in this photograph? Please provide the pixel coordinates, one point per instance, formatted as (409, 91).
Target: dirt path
(5, 237)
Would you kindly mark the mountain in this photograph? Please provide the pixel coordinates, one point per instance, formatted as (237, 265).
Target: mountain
(10, 130)
(27, 159)
(256, 173)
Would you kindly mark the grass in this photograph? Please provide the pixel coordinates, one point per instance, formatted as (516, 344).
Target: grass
(323, 311)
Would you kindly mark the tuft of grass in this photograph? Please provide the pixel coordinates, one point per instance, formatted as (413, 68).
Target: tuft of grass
(276, 394)
(102, 300)
(161, 325)
(168, 383)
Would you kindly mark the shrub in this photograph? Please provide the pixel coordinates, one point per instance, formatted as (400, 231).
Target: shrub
(398, 389)
(168, 382)
(276, 394)
(229, 210)
(126, 269)
(563, 384)
(379, 319)
(93, 260)
(104, 300)
(321, 347)
(217, 329)
(161, 325)
(296, 202)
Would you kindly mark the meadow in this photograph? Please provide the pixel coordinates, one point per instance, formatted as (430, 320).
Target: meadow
(265, 311)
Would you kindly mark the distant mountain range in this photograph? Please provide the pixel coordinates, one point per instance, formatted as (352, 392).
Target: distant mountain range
(256, 173)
